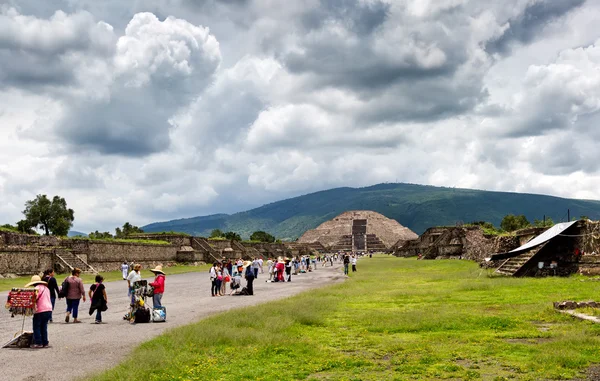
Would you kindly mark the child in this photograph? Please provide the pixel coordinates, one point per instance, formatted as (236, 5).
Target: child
(98, 298)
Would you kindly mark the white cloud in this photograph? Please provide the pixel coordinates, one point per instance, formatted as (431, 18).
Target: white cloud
(164, 109)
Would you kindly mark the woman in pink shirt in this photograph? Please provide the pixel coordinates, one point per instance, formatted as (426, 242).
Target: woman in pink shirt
(43, 312)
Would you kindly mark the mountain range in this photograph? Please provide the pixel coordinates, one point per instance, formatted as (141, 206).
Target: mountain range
(417, 207)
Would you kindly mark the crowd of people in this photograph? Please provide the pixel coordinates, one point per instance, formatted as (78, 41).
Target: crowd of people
(224, 275)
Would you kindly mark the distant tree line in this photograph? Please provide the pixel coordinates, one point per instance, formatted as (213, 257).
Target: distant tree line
(124, 232)
(511, 223)
(258, 236)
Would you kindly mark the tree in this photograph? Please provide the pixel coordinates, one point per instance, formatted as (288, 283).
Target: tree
(262, 236)
(543, 223)
(232, 236)
(511, 222)
(127, 230)
(24, 227)
(51, 216)
(98, 235)
(216, 233)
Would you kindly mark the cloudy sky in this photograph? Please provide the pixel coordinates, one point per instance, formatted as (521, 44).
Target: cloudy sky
(151, 110)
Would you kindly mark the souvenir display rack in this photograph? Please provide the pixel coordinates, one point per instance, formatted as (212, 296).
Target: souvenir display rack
(22, 302)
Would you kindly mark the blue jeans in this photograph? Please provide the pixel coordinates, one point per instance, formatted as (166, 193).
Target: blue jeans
(346, 268)
(53, 300)
(40, 327)
(214, 289)
(73, 307)
(98, 315)
(157, 300)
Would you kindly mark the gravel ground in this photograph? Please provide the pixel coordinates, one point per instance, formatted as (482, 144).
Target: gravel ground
(81, 349)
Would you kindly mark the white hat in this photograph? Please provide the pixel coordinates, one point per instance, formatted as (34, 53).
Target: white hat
(36, 280)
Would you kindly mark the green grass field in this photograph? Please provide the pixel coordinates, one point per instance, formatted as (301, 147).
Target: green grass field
(395, 319)
(7, 284)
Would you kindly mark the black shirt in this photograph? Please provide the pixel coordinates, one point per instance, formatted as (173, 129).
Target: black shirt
(52, 285)
(97, 294)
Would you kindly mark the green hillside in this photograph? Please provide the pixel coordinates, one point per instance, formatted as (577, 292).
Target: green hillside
(417, 207)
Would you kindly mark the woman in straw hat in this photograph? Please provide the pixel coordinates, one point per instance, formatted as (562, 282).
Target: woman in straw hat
(43, 312)
(159, 286)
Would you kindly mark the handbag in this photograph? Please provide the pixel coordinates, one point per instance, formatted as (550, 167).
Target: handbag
(227, 278)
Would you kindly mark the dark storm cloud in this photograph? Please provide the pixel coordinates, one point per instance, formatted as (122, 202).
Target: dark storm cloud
(530, 23)
(25, 70)
(362, 18)
(126, 125)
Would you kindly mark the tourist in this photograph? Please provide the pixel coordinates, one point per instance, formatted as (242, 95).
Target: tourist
(43, 312)
(219, 270)
(270, 269)
(236, 281)
(314, 262)
(229, 266)
(354, 263)
(159, 286)
(280, 269)
(346, 263)
(75, 292)
(98, 298)
(52, 286)
(288, 269)
(226, 279)
(249, 275)
(214, 291)
(255, 267)
(261, 263)
(134, 276)
(124, 269)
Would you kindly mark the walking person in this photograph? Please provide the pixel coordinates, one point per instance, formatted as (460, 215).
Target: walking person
(346, 263)
(261, 265)
(159, 286)
(74, 294)
(52, 286)
(98, 298)
(124, 269)
(43, 312)
(354, 263)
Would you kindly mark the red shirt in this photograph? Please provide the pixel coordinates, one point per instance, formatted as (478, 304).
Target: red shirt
(159, 284)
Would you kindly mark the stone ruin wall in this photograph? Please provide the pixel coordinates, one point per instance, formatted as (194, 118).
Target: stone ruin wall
(22, 254)
(108, 256)
(24, 260)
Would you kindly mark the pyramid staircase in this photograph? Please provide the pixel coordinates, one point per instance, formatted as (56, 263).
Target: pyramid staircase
(202, 245)
(513, 266)
(72, 261)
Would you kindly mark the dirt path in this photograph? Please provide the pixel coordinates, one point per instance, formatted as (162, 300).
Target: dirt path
(80, 349)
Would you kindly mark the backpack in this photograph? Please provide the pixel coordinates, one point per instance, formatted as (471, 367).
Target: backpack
(159, 315)
(142, 315)
(64, 288)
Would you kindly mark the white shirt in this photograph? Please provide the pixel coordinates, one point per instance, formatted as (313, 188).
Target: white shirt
(353, 261)
(134, 277)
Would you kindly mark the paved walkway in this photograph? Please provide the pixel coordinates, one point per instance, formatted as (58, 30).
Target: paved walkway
(80, 349)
